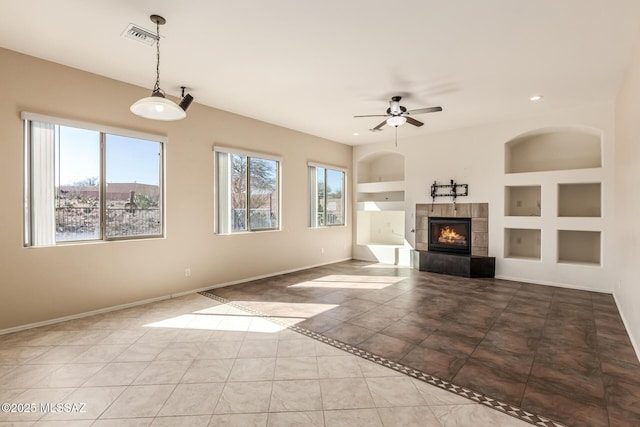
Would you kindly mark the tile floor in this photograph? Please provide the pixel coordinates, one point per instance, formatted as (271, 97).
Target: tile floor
(560, 353)
(194, 361)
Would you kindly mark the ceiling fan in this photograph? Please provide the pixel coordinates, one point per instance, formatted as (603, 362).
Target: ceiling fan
(397, 115)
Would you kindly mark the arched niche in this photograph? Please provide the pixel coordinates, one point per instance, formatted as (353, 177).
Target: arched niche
(381, 167)
(552, 149)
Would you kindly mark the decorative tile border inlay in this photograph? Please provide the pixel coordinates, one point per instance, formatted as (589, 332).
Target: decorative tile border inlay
(492, 403)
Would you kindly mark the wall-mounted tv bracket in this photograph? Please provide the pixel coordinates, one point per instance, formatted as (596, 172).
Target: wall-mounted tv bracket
(452, 190)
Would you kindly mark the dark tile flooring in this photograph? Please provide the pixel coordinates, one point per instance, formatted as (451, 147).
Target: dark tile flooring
(556, 352)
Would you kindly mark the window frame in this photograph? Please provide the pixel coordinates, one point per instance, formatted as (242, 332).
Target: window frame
(216, 190)
(103, 130)
(312, 195)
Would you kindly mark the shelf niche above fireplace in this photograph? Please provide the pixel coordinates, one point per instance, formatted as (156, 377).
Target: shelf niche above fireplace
(450, 235)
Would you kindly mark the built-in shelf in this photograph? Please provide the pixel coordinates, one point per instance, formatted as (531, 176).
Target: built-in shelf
(380, 228)
(553, 187)
(381, 167)
(553, 150)
(380, 206)
(387, 196)
(522, 243)
(380, 196)
(380, 187)
(579, 200)
(579, 247)
(522, 200)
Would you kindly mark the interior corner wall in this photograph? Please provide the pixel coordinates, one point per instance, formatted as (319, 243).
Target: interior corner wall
(476, 156)
(627, 198)
(40, 284)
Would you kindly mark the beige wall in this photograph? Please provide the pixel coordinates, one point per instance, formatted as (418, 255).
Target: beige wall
(38, 284)
(627, 198)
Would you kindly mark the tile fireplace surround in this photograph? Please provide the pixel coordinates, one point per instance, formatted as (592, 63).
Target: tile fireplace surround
(478, 212)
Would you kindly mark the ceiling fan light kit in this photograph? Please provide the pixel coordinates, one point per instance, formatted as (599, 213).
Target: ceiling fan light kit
(157, 106)
(397, 115)
(396, 121)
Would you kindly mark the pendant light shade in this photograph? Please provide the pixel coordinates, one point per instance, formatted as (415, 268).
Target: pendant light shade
(157, 106)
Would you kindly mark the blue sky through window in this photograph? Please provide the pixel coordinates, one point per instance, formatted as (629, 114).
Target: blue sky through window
(334, 181)
(133, 160)
(128, 159)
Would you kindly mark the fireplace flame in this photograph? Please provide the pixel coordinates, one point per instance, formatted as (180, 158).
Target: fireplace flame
(450, 235)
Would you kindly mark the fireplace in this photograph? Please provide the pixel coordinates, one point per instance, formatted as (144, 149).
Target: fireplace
(450, 235)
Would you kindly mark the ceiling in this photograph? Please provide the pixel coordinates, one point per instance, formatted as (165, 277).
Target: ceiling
(311, 65)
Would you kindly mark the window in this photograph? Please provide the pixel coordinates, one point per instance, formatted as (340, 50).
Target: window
(84, 183)
(248, 189)
(326, 196)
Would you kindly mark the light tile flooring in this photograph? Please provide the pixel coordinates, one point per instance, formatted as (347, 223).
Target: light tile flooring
(193, 361)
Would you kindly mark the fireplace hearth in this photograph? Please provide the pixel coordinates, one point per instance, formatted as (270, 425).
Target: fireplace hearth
(450, 235)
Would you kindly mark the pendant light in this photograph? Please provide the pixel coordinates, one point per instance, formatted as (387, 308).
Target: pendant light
(157, 106)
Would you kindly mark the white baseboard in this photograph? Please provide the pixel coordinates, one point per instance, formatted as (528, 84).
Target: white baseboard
(634, 343)
(81, 315)
(263, 276)
(160, 298)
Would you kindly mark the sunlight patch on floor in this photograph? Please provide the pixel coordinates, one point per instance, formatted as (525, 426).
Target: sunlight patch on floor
(350, 282)
(287, 309)
(388, 266)
(225, 317)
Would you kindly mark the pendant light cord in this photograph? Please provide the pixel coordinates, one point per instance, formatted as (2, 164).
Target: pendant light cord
(156, 87)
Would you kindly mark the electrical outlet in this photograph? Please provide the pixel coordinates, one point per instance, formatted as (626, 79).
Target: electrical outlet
(322, 250)
(187, 272)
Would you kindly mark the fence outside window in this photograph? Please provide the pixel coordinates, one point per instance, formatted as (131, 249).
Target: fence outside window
(83, 223)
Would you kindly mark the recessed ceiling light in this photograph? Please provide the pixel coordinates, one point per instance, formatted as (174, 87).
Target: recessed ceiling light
(356, 134)
(535, 98)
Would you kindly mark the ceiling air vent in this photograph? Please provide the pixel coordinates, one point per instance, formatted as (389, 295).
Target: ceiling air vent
(139, 34)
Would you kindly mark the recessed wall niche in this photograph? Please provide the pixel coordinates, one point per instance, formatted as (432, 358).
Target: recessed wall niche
(579, 200)
(581, 247)
(380, 228)
(522, 243)
(381, 167)
(522, 200)
(380, 196)
(553, 150)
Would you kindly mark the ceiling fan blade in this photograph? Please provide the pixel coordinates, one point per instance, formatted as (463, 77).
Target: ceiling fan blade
(425, 110)
(414, 121)
(379, 127)
(372, 115)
